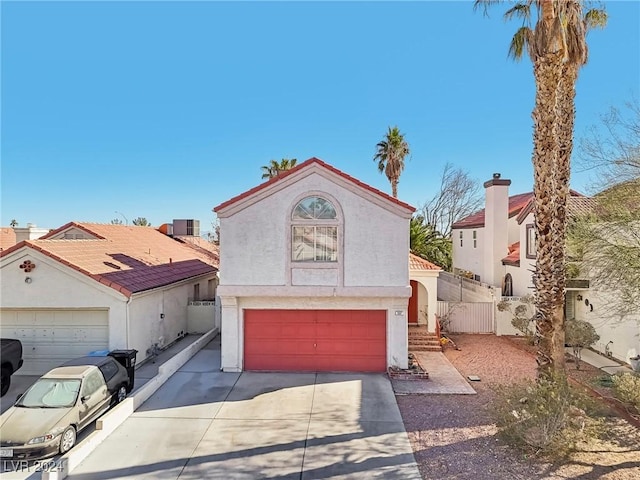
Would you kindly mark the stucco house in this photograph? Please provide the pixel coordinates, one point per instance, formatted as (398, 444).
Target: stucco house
(315, 274)
(497, 246)
(87, 286)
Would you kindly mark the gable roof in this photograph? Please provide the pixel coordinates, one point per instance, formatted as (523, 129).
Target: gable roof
(476, 220)
(129, 259)
(419, 263)
(576, 204)
(301, 166)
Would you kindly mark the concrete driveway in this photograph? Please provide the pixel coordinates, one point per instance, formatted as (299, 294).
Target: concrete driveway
(206, 424)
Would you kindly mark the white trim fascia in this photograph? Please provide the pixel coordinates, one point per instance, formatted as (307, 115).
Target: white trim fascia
(314, 168)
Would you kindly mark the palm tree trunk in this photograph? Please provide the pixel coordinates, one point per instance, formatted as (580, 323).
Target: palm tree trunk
(565, 126)
(394, 188)
(547, 71)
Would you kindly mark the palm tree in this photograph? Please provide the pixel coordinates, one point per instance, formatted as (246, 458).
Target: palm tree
(275, 167)
(141, 222)
(557, 48)
(390, 157)
(426, 242)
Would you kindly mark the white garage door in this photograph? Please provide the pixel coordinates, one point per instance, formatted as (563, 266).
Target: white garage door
(51, 337)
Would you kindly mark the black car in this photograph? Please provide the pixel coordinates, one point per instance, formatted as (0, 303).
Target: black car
(11, 360)
(115, 375)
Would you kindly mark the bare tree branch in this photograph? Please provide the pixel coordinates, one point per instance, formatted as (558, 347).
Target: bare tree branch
(458, 197)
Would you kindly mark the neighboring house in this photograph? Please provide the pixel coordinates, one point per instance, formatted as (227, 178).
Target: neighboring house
(9, 236)
(497, 246)
(314, 274)
(87, 286)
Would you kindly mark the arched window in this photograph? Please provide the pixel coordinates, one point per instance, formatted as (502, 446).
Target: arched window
(314, 231)
(507, 286)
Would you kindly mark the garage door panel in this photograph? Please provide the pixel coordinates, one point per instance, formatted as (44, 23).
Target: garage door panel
(51, 337)
(315, 340)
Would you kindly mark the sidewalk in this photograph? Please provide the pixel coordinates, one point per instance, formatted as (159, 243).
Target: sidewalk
(606, 364)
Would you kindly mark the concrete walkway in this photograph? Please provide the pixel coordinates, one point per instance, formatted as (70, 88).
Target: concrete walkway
(606, 364)
(443, 377)
(203, 423)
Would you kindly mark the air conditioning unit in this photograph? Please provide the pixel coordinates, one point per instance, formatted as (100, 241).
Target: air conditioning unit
(186, 228)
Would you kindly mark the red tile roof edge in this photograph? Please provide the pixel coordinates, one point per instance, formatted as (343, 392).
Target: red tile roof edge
(426, 263)
(302, 165)
(68, 225)
(513, 258)
(13, 248)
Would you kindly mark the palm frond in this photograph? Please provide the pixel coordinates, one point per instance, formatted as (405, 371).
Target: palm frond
(596, 18)
(485, 5)
(519, 10)
(519, 43)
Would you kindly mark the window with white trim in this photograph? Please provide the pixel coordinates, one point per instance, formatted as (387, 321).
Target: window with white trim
(531, 241)
(314, 231)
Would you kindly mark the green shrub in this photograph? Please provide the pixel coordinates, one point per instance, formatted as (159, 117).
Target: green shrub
(626, 388)
(579, 334)
(546, 417)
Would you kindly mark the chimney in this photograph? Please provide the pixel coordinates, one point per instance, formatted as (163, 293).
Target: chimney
(496, 231)
(30, 232)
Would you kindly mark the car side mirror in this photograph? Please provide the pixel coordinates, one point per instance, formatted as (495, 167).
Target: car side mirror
(85, 398)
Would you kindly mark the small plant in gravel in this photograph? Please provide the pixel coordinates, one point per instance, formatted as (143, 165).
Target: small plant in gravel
(579, 334)
(626, 388)
(546, 417)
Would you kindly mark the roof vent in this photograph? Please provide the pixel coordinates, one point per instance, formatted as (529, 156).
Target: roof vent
(496, 176)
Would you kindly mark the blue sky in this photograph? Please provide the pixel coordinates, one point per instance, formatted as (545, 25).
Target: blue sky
(166, 109)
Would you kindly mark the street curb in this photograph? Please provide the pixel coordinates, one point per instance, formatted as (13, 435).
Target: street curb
(111, 420)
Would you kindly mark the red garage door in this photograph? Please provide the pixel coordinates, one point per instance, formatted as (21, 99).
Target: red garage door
(315, 340)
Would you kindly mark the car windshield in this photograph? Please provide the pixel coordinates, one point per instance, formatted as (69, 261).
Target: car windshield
(51, 393)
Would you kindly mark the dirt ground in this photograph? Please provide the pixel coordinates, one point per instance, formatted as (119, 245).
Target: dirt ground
(453, 436)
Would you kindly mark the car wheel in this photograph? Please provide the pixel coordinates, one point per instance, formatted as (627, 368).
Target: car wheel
(122, 394)
(6, 381)
(67, 440)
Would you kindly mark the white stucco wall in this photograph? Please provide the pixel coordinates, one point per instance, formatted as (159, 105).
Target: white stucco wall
(373, 241)
(466, 257)
(623, 333)
(54, 285)
(160, 315)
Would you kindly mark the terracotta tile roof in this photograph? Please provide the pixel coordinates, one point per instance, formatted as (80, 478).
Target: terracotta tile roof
(514, 255)
(528, 208)
(201, 245)
(303, 165)
(7, 238)
(127, 258)
(418, 263)
(475, 220)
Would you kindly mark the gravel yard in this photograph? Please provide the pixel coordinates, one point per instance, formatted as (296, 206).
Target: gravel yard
(453, 436)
